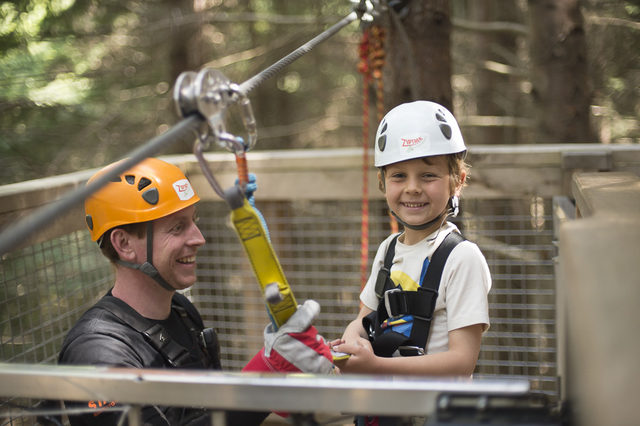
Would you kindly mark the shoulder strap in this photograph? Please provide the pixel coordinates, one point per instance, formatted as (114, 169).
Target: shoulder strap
(182, 300)
(422, 324)
(439, 258)
(384, 274)
(206, 337)
(154, 333)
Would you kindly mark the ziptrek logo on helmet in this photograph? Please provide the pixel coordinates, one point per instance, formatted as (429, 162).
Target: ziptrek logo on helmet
(406, 142)
(183, 189)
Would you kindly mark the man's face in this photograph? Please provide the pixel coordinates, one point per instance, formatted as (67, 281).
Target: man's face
(176, 239)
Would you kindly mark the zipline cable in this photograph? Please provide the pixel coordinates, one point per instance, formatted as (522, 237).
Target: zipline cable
(184, 131)
(15, 234)
(267, 73)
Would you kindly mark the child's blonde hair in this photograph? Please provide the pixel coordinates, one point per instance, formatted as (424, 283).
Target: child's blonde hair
(457, 168)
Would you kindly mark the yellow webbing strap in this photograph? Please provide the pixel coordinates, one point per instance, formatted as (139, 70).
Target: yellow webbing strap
(280, 304)
(264, 262)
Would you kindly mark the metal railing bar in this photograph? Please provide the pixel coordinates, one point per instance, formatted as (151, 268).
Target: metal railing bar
(242, 391)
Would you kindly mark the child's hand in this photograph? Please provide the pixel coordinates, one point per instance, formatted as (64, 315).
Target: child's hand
(336, 342)
(361, 359)
(336, 355)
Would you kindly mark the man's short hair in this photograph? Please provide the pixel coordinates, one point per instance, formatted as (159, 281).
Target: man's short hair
(137, 229)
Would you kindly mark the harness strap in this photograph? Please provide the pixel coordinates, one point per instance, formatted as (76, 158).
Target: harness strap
(422, 325)
(384, 274)
(173, 352)
(395, 302)
(156, 335)
(206, 337)
(419, 304)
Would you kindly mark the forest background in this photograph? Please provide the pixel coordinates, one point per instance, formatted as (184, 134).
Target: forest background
(83, 82)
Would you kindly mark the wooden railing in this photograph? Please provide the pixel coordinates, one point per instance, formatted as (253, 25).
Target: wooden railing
(500, 171)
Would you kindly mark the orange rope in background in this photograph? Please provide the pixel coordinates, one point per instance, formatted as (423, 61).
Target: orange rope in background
(363, 67)
(377, 57)
(372, 55)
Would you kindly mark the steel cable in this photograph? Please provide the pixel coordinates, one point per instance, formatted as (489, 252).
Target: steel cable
(269, 72)
(16, 234)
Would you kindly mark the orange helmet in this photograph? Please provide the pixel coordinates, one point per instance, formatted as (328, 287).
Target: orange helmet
(149, 190)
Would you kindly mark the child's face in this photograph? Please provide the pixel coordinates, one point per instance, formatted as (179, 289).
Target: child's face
(418, 190)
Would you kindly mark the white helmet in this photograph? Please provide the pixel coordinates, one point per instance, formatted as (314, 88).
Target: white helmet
(417, 129)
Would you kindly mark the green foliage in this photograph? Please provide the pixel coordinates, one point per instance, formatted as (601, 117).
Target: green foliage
(54, 79)
(82, 83)
(613, 34)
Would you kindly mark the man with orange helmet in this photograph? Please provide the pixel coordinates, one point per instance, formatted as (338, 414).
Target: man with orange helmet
(144, 221)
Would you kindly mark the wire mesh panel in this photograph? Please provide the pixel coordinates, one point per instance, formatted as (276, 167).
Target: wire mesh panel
(516, 238)
(44, 290)
(318, 244)
(46, 287)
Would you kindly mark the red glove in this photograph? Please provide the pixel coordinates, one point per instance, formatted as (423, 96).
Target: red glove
(295, 347)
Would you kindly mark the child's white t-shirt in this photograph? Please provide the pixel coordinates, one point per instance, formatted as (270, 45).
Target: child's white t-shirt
(464, 286)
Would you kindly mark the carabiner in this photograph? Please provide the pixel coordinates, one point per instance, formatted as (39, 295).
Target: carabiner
(248, 119)
(198, 151)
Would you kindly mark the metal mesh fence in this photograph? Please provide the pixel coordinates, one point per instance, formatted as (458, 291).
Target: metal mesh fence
(46, 287)
(516, 238)
(318, 244)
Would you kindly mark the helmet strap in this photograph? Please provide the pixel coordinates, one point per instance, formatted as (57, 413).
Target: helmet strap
(454, 206)
(147, 267)
(416, 227)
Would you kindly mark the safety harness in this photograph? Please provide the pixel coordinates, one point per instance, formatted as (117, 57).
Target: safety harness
(175, 354)
(409, 312)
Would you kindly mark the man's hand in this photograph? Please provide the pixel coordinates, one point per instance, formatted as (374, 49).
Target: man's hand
(294, 347)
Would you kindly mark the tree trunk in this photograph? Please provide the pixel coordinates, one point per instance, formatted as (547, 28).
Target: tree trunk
(561, 90)
(184, 51)
(496, 93)
(418, 64)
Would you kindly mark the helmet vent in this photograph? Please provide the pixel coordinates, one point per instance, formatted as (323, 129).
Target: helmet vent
(444, 127)
(144, 182)
(151, 196)
(446, 130)
(131, 179)
(382, 142)
(382, 139)
(89, 221)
